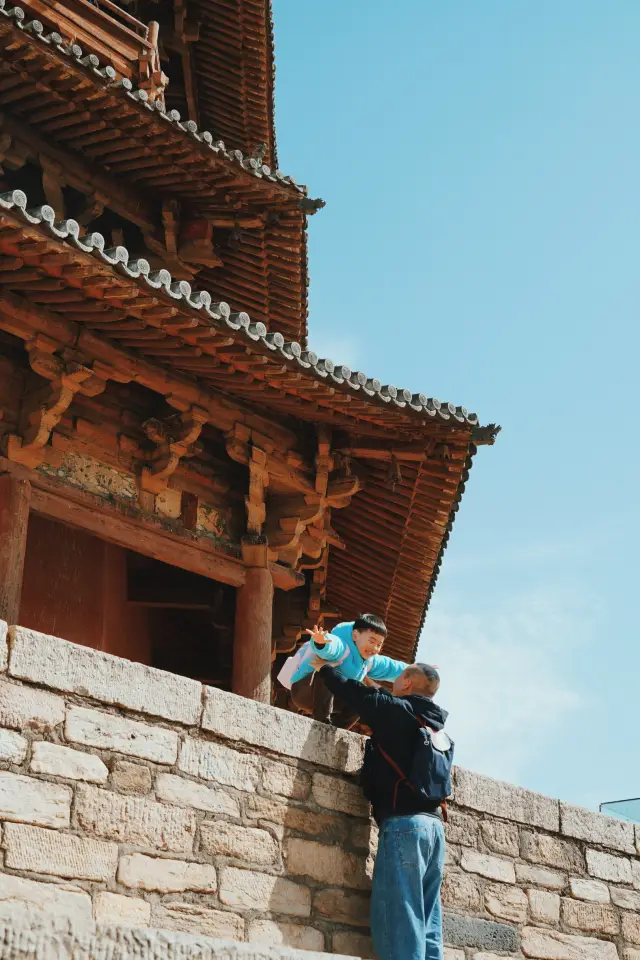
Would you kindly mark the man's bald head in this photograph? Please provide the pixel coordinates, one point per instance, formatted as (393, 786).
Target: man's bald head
(418, 678)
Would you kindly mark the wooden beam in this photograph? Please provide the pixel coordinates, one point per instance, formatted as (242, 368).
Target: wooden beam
(139, 536)
(22, 319)
(127, 203)
(58, 501)
(15, 495)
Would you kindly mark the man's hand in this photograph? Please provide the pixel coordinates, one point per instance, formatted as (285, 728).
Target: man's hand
(318, 663)
(318, 635)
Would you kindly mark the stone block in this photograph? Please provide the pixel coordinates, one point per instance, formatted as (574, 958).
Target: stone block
(139, 872)
(630, 926)
(327, 864)
(544, 907)
(626, 899)
(107, 731)
(57, 761)
(213, 761)
(300, 819)
(593, 891)
(60, 854)
(134, 820)
(76, 669)
(462, 829)
(501, 837)
(4, 648)
(552, 945)
(221, 839)
(285, 935)
(364, 836)
(590, 917)
(551, 851)
(606, 867)
(13, 747)
(461, 891)
(494, 868)
(285, 780)
(504, 800)
(192, 918)
(23, 708)
(596, 828)
(346, 944)
(336, 794)
(506, 902)
(462, 931)
(635, 872)
(114, 910)
(540, 877)
(288, 734)
(200, 796)
(343, 906)
(247, 890)
(127, 777)
(29, 901)
(25, 800)
(452, 856)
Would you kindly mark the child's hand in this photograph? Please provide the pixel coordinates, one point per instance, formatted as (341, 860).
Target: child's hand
(318, 635)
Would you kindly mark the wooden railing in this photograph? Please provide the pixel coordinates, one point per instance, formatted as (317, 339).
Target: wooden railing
(114, 35)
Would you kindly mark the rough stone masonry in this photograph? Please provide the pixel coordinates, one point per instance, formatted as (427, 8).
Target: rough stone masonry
(134, 798)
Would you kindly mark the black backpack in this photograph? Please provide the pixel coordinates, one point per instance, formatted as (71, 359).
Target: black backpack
(430, 774)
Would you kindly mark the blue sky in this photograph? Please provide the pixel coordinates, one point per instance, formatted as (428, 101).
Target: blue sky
(481, 165)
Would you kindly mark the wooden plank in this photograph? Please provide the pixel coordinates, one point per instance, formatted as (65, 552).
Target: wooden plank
(14, 518)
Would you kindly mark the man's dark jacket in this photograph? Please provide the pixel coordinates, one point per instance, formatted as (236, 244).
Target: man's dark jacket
(394, 727)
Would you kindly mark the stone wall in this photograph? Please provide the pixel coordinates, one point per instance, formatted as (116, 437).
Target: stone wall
(130, 796)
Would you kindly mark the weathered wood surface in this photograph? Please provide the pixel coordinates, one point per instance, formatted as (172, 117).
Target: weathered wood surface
(15, 493)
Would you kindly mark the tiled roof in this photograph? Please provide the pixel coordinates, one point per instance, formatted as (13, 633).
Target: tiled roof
(139, 144)
(294, 366)
(105, 75)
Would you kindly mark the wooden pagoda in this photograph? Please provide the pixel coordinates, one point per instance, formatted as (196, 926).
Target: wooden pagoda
(183, 482)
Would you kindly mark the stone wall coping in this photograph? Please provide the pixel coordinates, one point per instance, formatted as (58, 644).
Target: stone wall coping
(51, 941)
(57, 664)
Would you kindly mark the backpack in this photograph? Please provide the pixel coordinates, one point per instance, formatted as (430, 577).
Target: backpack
(430, 774)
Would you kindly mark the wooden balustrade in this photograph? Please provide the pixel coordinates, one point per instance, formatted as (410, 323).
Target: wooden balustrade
(111, 33)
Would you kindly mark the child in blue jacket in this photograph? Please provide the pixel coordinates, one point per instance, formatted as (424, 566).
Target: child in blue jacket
(353, 649)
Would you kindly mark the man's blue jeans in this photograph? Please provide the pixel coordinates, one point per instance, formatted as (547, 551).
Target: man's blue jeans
(406, 916)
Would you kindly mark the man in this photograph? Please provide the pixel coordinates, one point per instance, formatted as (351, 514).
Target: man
(406, 916)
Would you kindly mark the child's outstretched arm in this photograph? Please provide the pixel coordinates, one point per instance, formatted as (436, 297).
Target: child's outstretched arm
(326, 645)
(385, 668)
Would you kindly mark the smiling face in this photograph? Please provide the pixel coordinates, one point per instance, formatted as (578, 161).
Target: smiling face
(368, 642)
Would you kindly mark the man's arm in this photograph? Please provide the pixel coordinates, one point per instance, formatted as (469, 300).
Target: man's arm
(384, 668)
(371, 704)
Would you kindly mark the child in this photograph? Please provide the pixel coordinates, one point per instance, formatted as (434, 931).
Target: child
(353, 649)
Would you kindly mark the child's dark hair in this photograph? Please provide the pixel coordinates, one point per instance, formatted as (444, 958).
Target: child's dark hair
(369, 621)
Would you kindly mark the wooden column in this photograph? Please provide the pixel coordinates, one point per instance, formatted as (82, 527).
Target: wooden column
(14, 517)
(253, 626)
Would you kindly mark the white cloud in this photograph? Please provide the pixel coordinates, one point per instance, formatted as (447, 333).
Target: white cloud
(506, 676)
